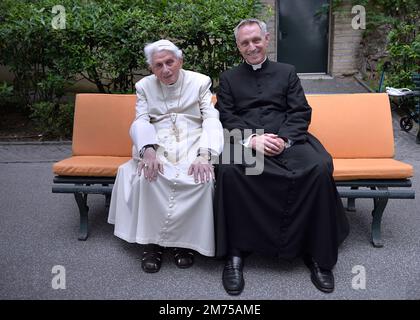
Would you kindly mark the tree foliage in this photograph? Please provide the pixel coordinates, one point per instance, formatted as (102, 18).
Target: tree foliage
(103, 40)
(403, 17)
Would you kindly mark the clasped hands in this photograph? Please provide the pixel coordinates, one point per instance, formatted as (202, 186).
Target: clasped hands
(150, 165)
(268, 143)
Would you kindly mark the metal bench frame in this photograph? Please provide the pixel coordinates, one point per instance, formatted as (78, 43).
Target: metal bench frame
(378, 190)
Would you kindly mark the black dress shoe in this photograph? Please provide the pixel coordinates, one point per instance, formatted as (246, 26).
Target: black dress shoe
(323, 279)
(233, 279)
(152, 258)
(184, 258)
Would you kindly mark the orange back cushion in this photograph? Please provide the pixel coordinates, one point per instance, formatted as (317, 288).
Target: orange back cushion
(357, 125)
(102, 123)
(348, 125)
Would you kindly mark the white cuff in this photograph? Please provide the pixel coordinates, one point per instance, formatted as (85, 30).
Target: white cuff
(288, 144)
(246, 142)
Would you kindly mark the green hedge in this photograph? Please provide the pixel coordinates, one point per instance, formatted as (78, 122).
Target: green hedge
(103, 43)
(103, 40)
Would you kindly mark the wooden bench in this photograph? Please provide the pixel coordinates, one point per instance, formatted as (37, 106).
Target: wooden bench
(355, 128)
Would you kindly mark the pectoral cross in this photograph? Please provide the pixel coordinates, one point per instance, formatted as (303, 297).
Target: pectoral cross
(175, 131)
(174, 127)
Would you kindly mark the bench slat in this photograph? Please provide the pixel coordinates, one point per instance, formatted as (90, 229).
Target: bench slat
(374, 183)
(388, 194)
(83, 180)
(82, 189)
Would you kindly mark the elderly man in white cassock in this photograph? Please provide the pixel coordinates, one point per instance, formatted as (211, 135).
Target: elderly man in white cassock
(163, 196)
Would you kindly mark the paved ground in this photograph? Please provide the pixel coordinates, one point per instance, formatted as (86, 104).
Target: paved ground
(39, 231)
(336, 85)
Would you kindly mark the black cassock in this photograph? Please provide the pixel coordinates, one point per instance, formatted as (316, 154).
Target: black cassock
(293, 207)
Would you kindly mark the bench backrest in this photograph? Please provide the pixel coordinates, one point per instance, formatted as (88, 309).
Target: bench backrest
(357, 125)
(348, 125)
(101, 124)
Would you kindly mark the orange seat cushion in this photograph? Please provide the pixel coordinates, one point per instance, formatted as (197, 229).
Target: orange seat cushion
(90, 166)
(102, 123)
(356, 169)
(344, 169)
(353, 125)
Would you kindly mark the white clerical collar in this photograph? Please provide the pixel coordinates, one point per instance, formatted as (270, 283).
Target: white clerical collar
(257, 66)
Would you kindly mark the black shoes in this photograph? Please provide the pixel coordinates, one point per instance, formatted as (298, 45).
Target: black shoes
(152, 258)
(184, 258)
(233, 280)
(323, 279)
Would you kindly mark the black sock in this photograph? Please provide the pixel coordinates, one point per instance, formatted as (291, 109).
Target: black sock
(235, 253)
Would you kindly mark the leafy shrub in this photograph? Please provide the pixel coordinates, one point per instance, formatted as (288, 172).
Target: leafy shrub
(204, 30)
(31, 48)
(403, 19)
(53, 119)
(404, 53)
(103, 41)
(6, 94)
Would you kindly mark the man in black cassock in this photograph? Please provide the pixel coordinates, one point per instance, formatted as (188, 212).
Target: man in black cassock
(292, 209)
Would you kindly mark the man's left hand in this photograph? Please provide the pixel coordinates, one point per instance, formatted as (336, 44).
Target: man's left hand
(269, 144)
(274, 145)
(202, 170)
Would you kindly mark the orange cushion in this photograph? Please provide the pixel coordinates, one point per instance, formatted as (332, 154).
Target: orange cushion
(344, 169)
(354, 169)
(102, 123)
(357, 125)
(214, 99)
(92, 166)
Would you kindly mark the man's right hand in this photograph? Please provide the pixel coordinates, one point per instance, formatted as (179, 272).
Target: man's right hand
(268, 143)
(150, 165)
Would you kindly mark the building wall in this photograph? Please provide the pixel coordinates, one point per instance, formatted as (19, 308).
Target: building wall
(271, 21)
(344, 40)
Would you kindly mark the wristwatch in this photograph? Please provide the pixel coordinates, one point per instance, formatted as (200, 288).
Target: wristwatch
(143, 150)
(205, 153)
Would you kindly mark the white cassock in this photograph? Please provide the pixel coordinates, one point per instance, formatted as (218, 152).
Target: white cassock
(174, 210)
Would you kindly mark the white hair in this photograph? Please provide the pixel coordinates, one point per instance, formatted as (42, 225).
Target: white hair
(260, 23)
(161, 45)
